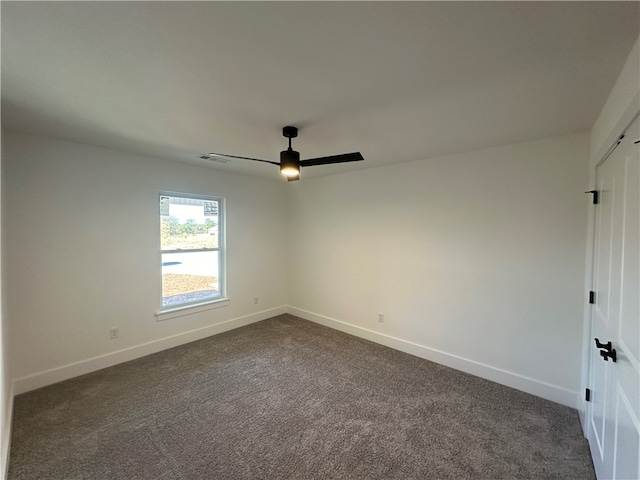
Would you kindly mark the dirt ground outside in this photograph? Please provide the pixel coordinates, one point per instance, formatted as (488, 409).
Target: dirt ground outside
(178, 284)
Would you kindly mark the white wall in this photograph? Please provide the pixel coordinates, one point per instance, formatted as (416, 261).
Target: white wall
(475, 259)
(80, 253)
(622, 105)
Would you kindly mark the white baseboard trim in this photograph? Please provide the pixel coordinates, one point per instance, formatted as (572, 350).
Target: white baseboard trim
(503, 377)
(65, 372)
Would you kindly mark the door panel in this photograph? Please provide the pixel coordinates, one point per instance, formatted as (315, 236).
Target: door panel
(630, 305)
(606, 189)
(601, 421)
(627, 440)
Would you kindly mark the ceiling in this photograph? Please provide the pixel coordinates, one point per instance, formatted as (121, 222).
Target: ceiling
(397, 81)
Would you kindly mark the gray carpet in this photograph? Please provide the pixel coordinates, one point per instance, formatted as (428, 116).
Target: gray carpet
(283, 399)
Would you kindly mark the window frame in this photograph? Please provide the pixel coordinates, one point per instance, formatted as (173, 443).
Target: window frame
(187, 308)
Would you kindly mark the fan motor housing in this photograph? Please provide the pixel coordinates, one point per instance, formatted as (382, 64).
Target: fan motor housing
(289, 160)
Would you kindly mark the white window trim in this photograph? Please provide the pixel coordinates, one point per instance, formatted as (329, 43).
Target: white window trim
(191, 309)
(222, 300)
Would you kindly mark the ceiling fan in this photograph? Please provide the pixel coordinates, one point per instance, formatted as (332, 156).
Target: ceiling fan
(290, 162)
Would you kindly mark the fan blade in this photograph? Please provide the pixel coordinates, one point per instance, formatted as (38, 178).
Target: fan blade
(345, 157)
(243, 158)
(292, 179)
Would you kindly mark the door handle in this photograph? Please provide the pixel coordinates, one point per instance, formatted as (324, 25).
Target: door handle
(607, 351)
(608, 355)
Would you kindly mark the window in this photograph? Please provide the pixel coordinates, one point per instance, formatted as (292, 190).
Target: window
(191, 249)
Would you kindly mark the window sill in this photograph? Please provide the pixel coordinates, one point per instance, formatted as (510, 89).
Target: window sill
(191, 309)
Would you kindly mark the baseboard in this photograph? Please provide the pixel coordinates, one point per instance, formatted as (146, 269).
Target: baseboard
(65, 372)
(503, 377)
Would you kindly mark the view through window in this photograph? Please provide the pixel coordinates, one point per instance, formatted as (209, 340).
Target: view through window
(191, 237)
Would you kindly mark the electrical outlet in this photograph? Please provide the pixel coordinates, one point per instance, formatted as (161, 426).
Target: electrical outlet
(380, 317)
(114, 332)
(255, 300)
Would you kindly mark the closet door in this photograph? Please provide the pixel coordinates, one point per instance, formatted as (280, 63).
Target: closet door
(614, 409)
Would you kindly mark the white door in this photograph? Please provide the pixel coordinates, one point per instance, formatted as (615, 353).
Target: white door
(614, 408)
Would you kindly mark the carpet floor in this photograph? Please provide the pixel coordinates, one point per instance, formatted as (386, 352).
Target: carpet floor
(289, 399)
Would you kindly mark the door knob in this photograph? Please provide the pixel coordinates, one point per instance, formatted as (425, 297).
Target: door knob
(607, 351)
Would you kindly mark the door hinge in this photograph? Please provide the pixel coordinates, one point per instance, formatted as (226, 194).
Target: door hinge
(592, 297)
(595, 196)
(587, 394)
